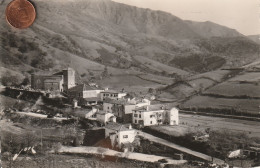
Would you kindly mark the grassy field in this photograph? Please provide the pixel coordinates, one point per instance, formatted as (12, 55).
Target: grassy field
(235, 89)
(241, 93)
(157, 66)
(245, 105)
(248, 76)
(201, 83)
(157, 79)
(196, 123)
(217, 75)
(128, 82)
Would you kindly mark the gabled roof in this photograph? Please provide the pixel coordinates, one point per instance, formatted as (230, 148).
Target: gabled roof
(92, 99)
(116, 127)
(147, 108)
(83, 87)
(68, 68)
(120, 101)
(53, 79)
(58, 73)
(112, 91)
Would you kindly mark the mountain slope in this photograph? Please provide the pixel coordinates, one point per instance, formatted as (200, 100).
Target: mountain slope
(89, 35)
(209, 29)
(255, 38)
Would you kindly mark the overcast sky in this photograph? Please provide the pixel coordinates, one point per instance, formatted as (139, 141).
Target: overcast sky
(242, 15)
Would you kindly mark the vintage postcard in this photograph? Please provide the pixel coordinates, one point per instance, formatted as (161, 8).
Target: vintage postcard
(130, 83)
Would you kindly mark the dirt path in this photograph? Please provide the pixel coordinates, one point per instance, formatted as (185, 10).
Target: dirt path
(178, 147)
(109, 152)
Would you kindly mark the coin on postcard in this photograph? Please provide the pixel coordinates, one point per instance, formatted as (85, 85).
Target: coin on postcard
(20, 14)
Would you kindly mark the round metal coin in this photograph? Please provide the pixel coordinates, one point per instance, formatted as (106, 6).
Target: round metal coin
(20, 14)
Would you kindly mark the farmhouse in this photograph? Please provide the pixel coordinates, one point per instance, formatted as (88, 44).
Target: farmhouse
(60, 81)
(85, 94)
(119, 134)
(123, 108)
(155, 115)
(112, 94)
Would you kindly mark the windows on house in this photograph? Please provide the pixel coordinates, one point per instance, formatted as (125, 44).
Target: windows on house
(139, 115)
(135, 115)
(151, 122)
(125, 136)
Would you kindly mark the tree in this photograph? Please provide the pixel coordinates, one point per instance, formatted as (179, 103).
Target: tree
(12, 80)
(105, 72)
(26, 81)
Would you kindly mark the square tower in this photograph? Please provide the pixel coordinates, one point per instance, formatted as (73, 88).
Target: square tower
(69, 78)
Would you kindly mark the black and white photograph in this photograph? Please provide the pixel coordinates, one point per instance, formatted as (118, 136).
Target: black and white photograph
(130, 83)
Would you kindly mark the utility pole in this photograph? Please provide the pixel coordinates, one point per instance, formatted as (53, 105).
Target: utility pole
(41, 140)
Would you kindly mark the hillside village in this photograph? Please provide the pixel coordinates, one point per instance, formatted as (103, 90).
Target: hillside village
(115, 119)
(111, 108)
(103, 84)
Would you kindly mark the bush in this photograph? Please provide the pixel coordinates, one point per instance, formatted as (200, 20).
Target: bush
(13, 80)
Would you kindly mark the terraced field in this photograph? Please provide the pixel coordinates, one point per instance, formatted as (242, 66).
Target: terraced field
(250, 106)
(240, 93)
(235, 89)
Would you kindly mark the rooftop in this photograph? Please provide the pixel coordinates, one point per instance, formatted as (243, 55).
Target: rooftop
(112, 91)
(57, 79)
(116, 127)
(155, 107)
(83, 87)
(92, 99)
(120, 101)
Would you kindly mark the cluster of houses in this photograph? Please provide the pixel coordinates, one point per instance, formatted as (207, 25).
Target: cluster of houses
(109, 107)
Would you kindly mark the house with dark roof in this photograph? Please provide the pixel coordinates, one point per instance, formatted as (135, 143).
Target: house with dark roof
(112, 94)
(119, 134)
(85, 94)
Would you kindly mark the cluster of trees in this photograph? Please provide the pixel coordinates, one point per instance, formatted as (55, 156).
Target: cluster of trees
(14, 80)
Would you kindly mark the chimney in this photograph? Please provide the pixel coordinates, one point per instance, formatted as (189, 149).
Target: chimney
(130, 126)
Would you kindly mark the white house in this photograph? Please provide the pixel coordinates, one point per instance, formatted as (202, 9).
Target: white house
(173, 116)
(112, 94)
(119, 134)
(155, 115)
(105, 117)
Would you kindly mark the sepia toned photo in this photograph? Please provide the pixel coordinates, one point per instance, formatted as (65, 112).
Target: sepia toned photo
(130, 83)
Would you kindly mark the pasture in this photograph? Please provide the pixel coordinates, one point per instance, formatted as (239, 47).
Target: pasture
(235, 89)
(196, 123)
(250, 106)
(129, 82)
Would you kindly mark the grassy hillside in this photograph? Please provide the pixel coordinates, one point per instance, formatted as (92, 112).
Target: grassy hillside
(88, 35)
(240, 94)
(121, 46)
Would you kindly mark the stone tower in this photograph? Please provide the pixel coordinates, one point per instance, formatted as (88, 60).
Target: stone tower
(69, 78)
